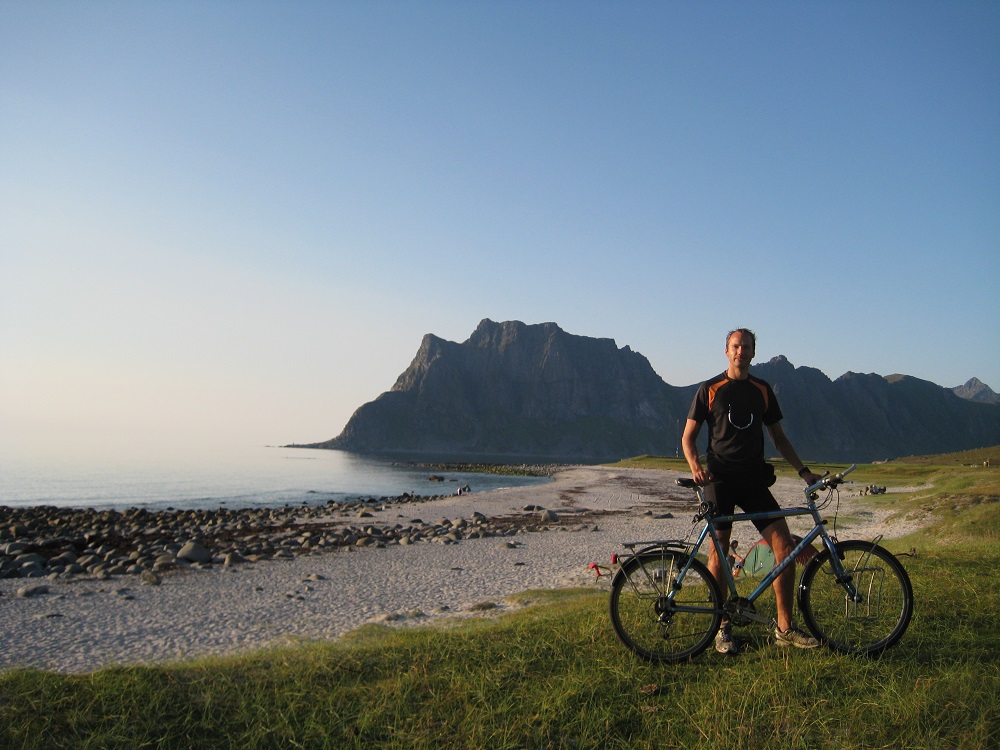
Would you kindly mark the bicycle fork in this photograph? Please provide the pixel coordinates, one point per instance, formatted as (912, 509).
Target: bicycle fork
(863, 576)
(849, 579)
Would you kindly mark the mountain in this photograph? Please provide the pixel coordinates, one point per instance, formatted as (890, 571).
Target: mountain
(521, 390)
(976, 390)
(516, 391)
(870, 417)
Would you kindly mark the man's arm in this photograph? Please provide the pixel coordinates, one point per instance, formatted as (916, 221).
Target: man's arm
(787, 451)
(689, 444)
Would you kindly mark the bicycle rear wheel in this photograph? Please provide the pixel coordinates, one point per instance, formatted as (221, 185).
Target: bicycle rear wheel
(652, 625)
(868, 626)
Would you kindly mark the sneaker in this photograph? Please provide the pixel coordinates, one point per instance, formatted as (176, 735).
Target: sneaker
(794, 637)
(724, 642)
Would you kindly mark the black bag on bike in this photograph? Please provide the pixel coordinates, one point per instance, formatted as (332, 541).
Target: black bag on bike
(761, 475)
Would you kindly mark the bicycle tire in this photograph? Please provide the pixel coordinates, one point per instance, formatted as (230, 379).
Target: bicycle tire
(867, 627)
(647, 623)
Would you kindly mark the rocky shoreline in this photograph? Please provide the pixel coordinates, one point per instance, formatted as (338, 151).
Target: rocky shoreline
(59, 543)
(513, 470)
(307, 572)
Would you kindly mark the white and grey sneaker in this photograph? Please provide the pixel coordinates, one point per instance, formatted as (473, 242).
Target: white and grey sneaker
(792, 637)
(724, 642)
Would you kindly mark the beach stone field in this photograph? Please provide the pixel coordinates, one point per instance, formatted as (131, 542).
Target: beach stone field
(57, 543)
(81, 589)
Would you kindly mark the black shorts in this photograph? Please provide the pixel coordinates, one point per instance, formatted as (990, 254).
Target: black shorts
(750, 497)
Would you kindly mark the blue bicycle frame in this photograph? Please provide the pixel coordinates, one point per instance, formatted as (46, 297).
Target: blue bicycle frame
(843, 577)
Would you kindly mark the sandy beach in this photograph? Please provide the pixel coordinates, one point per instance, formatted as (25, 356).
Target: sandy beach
(83, 623)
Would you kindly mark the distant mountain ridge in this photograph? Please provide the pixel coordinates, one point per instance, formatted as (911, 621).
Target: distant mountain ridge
(976, 390)
(518, 391)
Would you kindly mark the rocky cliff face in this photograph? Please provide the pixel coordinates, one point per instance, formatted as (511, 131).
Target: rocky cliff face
(521, 390)
(518, 391)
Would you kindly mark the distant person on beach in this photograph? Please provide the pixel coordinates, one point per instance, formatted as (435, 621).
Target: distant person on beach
(737, 407)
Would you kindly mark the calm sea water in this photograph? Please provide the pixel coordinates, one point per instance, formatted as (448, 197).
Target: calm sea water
(234, 478)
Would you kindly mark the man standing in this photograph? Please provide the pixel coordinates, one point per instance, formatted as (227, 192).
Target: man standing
(737, 407)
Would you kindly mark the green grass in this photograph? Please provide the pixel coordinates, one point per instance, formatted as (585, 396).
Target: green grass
(554, 676)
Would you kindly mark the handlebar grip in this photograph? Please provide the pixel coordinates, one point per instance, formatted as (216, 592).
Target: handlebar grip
(831, 481)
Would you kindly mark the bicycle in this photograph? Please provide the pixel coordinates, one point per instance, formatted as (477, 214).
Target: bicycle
(854, 596)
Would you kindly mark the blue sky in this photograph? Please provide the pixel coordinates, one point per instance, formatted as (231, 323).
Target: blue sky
(235, 221)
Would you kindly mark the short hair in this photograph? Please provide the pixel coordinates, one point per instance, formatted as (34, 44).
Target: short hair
(745, 332)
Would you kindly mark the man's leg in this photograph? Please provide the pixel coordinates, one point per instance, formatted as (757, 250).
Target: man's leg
(715, 564)
(724, 642)
(780, 541)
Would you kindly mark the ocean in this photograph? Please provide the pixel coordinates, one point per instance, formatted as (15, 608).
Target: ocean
(232, 477)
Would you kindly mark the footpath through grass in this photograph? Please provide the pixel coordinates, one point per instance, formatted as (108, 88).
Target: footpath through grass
(554, 676)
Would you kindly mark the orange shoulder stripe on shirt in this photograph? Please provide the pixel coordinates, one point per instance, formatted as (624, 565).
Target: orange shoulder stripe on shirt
(712, 390)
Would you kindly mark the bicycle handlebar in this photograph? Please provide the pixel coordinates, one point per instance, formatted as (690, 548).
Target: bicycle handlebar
(830, 482)
(826, 481)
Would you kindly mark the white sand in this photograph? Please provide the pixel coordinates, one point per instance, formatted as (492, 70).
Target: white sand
(85, 624)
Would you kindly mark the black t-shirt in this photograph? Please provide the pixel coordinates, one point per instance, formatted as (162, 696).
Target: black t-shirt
(736, 412)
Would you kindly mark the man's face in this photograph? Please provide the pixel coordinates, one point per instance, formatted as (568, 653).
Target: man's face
(739, 350)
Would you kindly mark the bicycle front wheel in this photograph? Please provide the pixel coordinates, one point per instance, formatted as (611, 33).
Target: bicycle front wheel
(884, 605)
(658, 627)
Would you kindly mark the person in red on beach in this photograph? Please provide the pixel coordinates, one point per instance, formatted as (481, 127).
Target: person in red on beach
(737, 407)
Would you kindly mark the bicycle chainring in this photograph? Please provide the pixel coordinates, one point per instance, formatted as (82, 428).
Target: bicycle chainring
(735, 609)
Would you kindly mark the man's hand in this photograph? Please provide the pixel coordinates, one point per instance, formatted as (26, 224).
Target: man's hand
(702, 477)
(811, 477)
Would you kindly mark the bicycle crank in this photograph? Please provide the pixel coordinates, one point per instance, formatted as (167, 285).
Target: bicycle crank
(741, 611)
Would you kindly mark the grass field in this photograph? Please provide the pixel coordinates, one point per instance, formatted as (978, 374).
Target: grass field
(554, 676)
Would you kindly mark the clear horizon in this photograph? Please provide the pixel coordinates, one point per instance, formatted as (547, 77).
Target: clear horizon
(226, 223)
